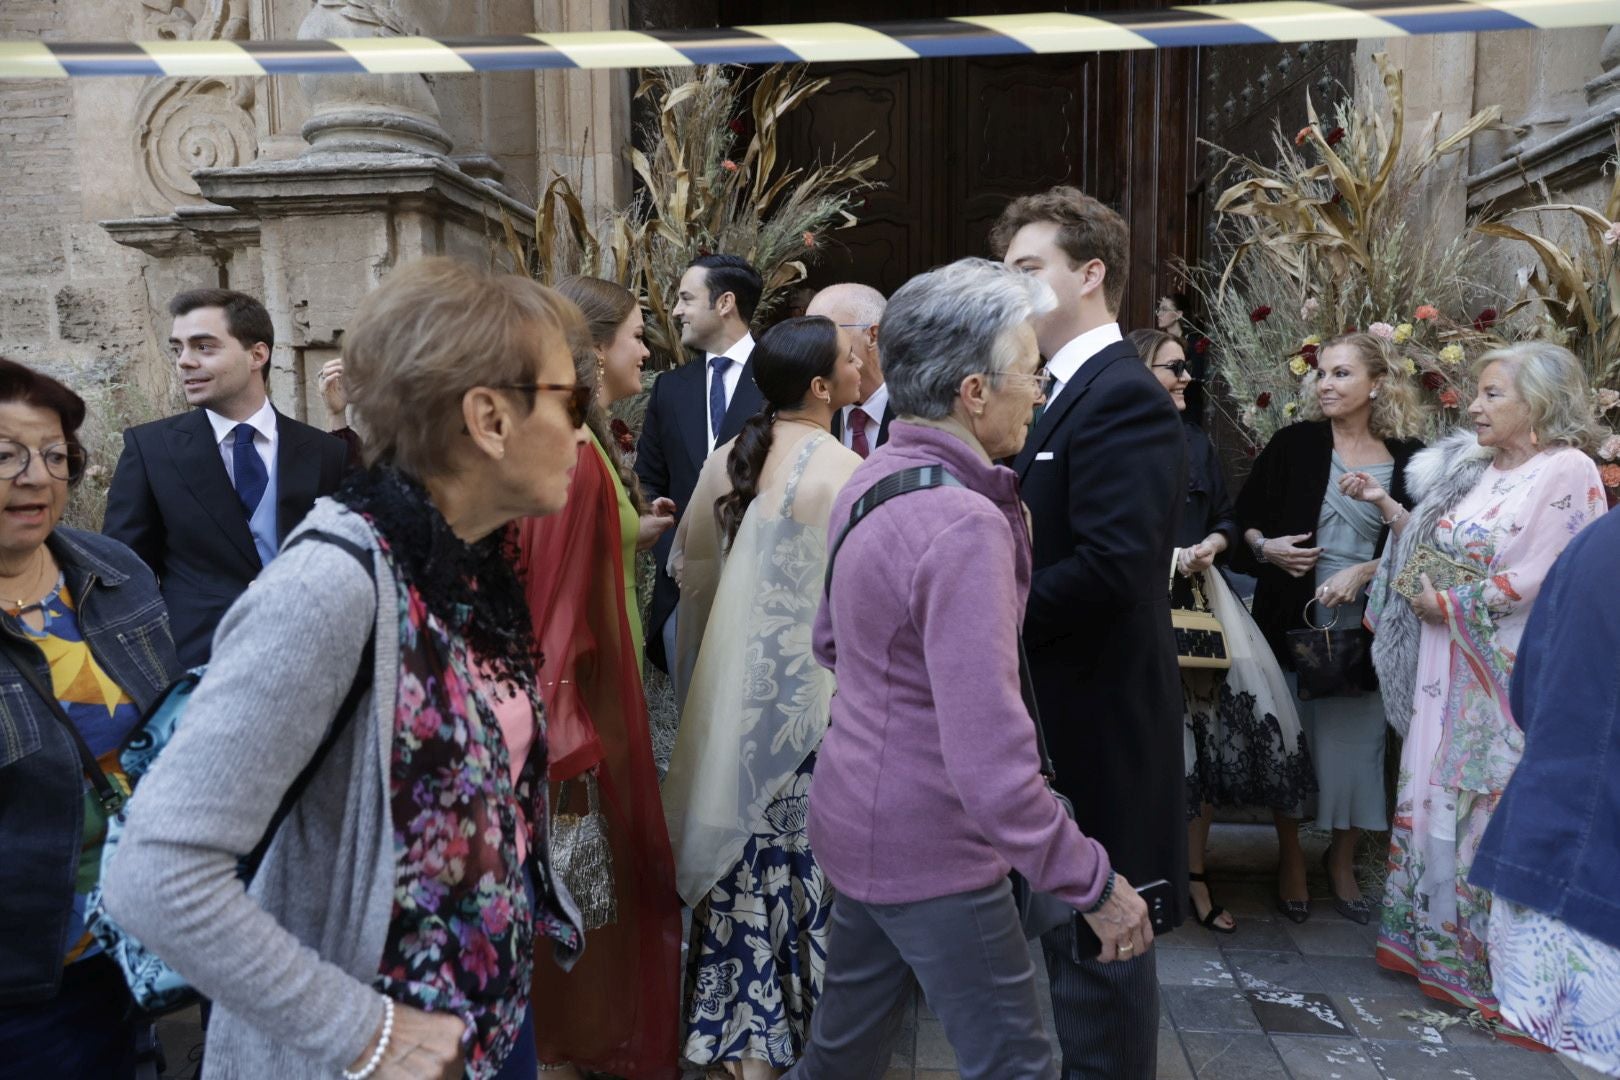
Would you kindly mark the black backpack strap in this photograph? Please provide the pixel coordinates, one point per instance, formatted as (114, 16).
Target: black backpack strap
(107, 793)
(351, 705)
(904, 482)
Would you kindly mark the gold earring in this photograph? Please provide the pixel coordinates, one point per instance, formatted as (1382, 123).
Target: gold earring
(601, 368)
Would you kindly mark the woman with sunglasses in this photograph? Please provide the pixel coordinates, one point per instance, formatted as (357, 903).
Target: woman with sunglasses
(82, 620)
(392, 927)
(1241, 734)
(616, 1010)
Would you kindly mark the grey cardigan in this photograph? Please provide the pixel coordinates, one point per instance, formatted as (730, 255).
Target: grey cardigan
(290, 962)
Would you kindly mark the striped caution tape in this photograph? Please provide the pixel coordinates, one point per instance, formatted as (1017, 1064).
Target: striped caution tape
(1258, 23)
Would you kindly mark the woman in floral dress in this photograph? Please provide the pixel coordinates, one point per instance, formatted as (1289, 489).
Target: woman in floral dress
(755, 707)
(1503, 505)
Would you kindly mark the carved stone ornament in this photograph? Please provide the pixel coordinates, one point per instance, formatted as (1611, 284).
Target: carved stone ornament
(367, 113)
(188, 124)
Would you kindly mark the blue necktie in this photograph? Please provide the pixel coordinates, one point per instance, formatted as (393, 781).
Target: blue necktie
(717, 393)
(251, 478)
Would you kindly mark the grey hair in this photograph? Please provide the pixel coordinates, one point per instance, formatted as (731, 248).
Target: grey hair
(952, 322)
(849, 301)
(1550, 380)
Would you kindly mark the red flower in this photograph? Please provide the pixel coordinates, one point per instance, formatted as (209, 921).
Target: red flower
(1450, 398)
(1335, 136)
(623, 435)
(1485, 320)
(1338, 197)
(1263, 401)
(737, 127)
(1259, 314)
(1610, 474)
(1201, 346)
(1433, 380)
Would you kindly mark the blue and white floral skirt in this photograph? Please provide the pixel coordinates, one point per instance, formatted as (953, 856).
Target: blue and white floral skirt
(1556, 984)
(758, 951)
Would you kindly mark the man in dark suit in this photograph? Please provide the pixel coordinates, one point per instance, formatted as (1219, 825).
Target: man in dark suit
(1104, 474)
(863, 427)
(206, 498)
(697, 407)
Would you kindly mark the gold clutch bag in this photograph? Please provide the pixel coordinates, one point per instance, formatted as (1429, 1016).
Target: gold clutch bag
(1200, 637)
(1443, 571)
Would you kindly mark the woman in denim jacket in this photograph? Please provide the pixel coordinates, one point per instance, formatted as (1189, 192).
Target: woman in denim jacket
(84, 613)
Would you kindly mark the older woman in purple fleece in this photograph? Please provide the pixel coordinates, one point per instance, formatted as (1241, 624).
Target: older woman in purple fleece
(928, 788)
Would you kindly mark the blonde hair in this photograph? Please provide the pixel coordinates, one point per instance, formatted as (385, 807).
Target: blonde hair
(433, 330)
(1397, 411)
(1550, 380)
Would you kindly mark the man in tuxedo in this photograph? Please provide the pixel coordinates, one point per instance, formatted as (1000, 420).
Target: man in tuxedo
(1104, 474)
(859, 309)
(697, 407)
(206, 498)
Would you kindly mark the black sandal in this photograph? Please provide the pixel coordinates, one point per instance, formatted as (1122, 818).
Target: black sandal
(1215, 910)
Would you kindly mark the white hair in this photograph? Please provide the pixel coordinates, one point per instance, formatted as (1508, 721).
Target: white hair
(952, 322)
(849, 302)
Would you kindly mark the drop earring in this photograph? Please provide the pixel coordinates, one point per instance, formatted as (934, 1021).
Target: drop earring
(1372, 395)
(601, 370)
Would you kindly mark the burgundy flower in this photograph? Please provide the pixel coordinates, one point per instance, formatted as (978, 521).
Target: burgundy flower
(1309, 353)
(1433, 380)
(1338, 197)
(737, 127)
(1259, 314)
(623, 435)
(1334, 137)
(1485, 320)
(1201, 346)
(1263, 401)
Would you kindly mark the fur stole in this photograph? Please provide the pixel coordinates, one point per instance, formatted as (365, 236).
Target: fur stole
(1438, 478)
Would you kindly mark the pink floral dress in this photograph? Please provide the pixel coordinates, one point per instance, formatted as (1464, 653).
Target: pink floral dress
(1463, 744)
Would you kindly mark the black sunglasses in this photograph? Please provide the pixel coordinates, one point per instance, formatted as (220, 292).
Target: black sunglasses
(1179, 367)
(579, 394)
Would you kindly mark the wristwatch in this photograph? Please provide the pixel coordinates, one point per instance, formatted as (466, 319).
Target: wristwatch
(1258, 546)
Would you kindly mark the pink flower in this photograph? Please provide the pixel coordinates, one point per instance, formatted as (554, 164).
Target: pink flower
(1426, 311)
(1610, 475)
(729, 165)
(1610, 450)
(1309, 308)
(1304, 133)
(1607, 399)
(809, 239)
(1382, 330)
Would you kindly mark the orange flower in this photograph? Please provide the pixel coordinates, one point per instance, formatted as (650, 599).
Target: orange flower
(1426, 311)
(1304, 133)
(1611, 475)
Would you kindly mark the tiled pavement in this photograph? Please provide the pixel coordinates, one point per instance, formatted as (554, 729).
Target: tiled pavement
(1274, 1001)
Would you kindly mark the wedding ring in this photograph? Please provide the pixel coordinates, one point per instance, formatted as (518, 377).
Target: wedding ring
(1127, 947)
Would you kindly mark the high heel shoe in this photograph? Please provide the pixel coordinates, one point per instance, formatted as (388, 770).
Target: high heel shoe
(1357, 910)
(1215, 910)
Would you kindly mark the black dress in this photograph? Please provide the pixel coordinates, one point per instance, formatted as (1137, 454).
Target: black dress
(1241, 739)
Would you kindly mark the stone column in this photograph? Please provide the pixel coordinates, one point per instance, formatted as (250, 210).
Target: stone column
(585, 115)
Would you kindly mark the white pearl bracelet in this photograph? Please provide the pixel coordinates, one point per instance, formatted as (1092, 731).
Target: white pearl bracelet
(372, 1065)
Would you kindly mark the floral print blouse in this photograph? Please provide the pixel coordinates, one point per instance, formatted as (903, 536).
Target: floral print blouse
(463, 930)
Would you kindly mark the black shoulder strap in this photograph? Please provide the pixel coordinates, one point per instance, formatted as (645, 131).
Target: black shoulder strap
(904, 482)
(110, 797)
(351, 705)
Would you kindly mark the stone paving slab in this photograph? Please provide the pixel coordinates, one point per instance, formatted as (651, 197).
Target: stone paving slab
(1325, 1059)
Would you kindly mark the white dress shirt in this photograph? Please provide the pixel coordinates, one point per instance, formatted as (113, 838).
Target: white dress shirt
(1066, 364)
(263, 424)
(739, 352)
(874, 407)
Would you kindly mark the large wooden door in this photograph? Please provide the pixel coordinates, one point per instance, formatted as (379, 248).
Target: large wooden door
(957, 139)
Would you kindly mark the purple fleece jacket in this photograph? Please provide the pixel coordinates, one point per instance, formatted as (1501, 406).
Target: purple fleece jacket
(928, 781)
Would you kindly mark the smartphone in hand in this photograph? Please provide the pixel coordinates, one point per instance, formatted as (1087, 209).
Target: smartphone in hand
(1156, 894)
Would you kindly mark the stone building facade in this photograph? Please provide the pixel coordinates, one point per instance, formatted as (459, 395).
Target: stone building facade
(116, 193)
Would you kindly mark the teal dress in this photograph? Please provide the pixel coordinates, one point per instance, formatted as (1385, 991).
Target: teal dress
(1346, 735)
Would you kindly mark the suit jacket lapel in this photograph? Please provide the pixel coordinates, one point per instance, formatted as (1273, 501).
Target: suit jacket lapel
(745, 402)
(692, 412)
(1054, 416)
(298, 473)
(197, 460)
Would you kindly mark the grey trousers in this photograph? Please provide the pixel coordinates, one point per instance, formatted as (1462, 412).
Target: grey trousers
(969, 954)
(1107, 1015)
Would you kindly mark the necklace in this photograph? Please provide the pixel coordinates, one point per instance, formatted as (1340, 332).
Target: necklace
(803, 420)
(17, 606)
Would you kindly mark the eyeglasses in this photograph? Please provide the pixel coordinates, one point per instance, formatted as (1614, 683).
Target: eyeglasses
(62, 461)
(580, 396)
(1043, 379)
(1177, 367)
